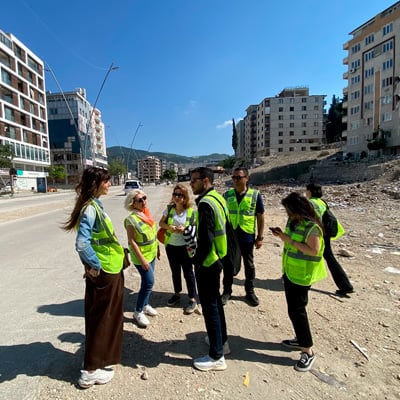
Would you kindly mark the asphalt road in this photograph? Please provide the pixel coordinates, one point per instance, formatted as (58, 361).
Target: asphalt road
(41, 287)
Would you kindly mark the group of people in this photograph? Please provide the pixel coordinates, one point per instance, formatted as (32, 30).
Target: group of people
(102, 256)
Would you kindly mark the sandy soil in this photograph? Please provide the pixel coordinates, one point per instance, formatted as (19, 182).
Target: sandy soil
(157, 361)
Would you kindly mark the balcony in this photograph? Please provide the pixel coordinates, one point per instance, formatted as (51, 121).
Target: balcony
(344, 119)
(344, 134)
(345, 75)
(346, 46)
(346, 60)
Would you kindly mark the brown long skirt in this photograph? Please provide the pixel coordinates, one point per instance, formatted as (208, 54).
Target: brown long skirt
(104, 299)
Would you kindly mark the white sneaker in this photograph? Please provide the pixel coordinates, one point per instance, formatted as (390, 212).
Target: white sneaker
(149, 310)
(98, 377)
(226, 349)
(141, 319)
(207, 363)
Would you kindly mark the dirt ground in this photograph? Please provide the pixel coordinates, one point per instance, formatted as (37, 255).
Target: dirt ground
(357, 338)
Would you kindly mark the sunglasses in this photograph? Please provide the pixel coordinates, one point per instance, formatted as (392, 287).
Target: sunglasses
(193, 180)
(238, 177)
(177, 194)
(141, 199)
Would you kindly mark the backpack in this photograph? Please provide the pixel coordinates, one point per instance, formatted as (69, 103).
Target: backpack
(330, 223)
(233, 259)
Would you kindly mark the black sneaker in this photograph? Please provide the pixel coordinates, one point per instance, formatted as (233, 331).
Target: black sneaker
(225, 297)
(252, 299)
(291, 344)
(341, 292)
(173, 300)
(305, 363)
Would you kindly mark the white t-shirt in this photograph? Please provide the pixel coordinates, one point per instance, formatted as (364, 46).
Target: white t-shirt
(176, 239)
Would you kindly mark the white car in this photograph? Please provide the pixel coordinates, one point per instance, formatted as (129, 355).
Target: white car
(131, 185)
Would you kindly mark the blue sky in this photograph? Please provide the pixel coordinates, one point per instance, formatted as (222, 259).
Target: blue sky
(187, 67)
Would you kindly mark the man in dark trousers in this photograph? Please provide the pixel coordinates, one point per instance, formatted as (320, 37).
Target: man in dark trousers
(211, 247)
(246, 212)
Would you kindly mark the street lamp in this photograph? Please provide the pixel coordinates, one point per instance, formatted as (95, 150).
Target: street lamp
(131, 148)
(112, 67)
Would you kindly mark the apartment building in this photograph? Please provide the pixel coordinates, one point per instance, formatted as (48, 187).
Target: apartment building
(76, 131)
(292, 121)
(372, 93)
(23, 118)
(149, 169)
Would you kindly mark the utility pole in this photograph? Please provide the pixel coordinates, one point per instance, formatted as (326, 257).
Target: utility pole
(131, 148)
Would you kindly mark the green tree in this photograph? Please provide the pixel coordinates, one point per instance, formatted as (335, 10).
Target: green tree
(228, 163)
(116, 167)
(57, 173)
(234, 136)
(169, 175)
(6, 156)
(334, 125)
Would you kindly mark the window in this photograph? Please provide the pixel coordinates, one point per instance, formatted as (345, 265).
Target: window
(304, 133)
(303, 149)
(303, 116)
(291, 148)
(354, 110)
(7, 95)
(369, 39)
(369, 89)
(304, 124)
(387, 116)
(304, 99)
(387, 81)
(280, 125)
(387, 46)
(280, 141)
(303, 108)
(316, 131)
(387, 64)
(356, 48)
(6, 77)
(369, 72)
(387, 29)
(9, 114)
(291, 108)
(291, 133)
(355, 95)
(291, 116)
(291, 125)
(386, 99)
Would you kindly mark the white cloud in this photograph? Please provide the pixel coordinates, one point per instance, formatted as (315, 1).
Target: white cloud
(224, 124)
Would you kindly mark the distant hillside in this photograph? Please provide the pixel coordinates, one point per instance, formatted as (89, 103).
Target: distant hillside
(131, 155)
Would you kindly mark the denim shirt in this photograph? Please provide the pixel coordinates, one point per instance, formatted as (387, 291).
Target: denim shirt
(83, 238)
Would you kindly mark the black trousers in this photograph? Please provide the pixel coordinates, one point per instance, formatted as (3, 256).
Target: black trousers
(208, 282)
(337, 272)
(179, 259)
(247, 252)
(297, 300)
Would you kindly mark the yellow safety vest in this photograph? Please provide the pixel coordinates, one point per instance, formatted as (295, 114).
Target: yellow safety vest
(320, 208)
(219, 245)
(303, 269)
(243, 214)
(190, 220)
(146, 238)
(105, 243)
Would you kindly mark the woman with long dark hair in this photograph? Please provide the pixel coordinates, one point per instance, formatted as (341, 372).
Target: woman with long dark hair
(102, 257)
(302, 265)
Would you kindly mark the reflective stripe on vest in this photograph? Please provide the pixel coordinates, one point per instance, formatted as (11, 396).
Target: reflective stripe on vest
(190, 220)
(146, 239)
(105, 243)
(303, 269)
(243, 214)
(219, 245)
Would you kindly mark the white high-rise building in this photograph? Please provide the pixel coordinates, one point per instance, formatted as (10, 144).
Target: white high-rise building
(23, 115)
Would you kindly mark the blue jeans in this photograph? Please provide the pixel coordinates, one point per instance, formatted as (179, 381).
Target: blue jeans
(146, 285)
(208, 282)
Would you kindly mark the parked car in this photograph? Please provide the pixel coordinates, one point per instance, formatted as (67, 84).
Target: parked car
(131, 185)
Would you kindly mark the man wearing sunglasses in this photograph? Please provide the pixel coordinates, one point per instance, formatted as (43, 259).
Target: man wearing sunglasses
(246, 212)
(211, 247)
